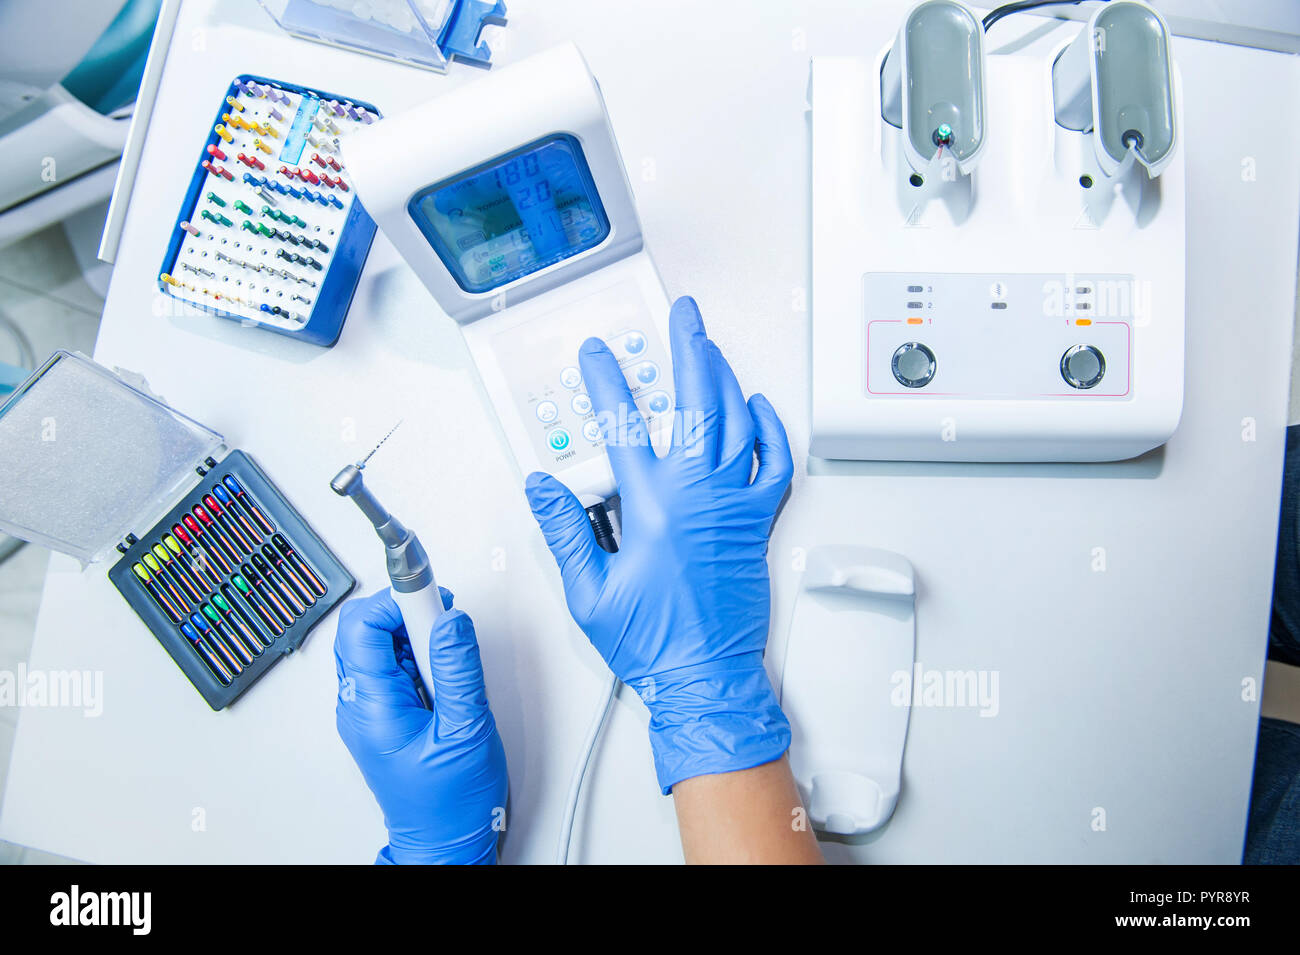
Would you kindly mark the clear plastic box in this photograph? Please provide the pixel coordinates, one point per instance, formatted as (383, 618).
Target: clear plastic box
(91, 463)
(86, 457)
(407, 31)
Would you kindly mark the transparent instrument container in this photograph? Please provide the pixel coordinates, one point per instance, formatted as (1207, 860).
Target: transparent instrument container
(406, 31)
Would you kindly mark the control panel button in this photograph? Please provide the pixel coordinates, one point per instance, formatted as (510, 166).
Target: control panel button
(581, 404)
(571, 377)
(647, 373)
(547, 411)
(658, 403)
(634, 343)
(591, 431)
(913, 365)
(558, 439)
(1083, 366)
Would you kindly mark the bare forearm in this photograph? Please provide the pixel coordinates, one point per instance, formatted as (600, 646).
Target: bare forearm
(752, 816)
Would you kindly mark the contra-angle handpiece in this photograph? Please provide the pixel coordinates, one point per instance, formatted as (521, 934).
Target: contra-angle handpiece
(414, 589)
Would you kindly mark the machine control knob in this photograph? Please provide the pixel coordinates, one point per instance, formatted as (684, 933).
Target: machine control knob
(913, 365)
(1082, 366)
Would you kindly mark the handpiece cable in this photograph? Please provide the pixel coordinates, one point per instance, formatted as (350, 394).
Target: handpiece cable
(993, 16)
(598, 515)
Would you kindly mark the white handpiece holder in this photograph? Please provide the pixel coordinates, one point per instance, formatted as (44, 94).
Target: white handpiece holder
(1116, 81)
(508, 198)
(932, 85)
(1038, 317)
(851, 635)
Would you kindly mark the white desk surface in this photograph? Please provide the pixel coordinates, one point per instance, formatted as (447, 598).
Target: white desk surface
(1120, 690)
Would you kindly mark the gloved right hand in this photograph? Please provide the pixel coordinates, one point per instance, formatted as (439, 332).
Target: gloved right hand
(681, 612)
(439, 774)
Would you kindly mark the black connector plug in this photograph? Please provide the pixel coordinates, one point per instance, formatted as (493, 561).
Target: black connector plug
(604, 529)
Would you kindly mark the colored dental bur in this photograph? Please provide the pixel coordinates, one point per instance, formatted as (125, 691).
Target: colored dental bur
(216, 532)
(209, 548)
(255, 601)
(233, 640)
(218, 668)
(164, 558)
(298, 564)
(223, 495)
(156, 571)
(234, 487)
(226, 524)
(198, 558)
(184, 559)
(234, 621)
(289, 575)
(216, 643)
(159, 597)
(267, 593)
(275, 581)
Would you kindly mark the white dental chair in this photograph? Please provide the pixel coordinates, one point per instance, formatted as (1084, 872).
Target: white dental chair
(67, 88)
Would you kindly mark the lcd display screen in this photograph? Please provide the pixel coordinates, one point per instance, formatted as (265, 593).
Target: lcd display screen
(514, 215)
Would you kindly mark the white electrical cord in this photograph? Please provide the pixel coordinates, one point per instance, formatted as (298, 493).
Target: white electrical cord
(580, 771)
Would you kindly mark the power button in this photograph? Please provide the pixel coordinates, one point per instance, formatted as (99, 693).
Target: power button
(913, 365)
(1083, 366)
(558, 439)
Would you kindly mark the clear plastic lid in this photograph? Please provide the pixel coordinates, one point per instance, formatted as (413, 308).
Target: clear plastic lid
(402, 30)
(86, 458)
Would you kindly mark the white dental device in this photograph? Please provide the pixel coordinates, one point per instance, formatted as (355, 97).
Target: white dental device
(509, 199)
(997, 271)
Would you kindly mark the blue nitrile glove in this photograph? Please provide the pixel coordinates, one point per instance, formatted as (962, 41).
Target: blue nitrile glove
(439, 775)
(681, 612)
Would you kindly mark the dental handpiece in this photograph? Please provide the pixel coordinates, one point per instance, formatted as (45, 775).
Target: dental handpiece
(414, 589)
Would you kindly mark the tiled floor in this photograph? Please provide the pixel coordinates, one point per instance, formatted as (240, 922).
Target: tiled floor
(43, 289)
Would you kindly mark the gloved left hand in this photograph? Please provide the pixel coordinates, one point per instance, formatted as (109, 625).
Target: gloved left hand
(439, 775)
(681, 612)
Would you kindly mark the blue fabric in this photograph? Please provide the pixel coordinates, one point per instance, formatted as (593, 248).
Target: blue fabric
(1284, 632)
(681, 612)
(1273, 831)
(439, 774)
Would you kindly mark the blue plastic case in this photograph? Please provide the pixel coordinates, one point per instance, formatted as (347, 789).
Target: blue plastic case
(351, 228)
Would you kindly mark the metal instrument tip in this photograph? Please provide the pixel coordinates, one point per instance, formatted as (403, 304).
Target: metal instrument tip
(362, 463)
